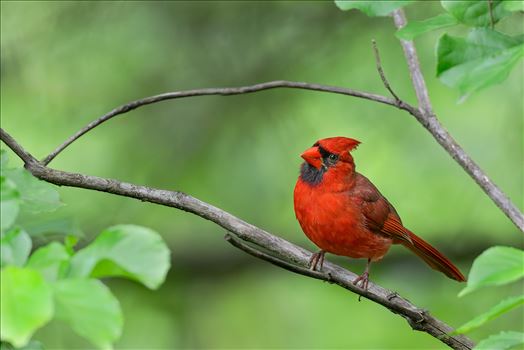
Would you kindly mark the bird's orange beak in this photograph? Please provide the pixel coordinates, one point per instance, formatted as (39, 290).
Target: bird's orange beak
(313, 157)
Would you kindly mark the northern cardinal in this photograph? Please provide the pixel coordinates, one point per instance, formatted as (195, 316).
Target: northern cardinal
(343, 213)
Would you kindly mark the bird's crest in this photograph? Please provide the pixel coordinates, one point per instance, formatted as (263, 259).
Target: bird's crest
(338, 145)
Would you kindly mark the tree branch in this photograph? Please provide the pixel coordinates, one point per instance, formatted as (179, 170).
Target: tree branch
(15, 147)
(414, 66)
(225, 91)
(424, 114)
(283, 253)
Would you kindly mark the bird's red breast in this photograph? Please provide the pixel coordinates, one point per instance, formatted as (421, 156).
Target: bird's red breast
(333, 221)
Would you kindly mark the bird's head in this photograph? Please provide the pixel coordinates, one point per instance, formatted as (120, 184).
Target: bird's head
(330, 155)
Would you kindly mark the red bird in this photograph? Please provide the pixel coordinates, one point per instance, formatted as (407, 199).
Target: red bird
(343, 213)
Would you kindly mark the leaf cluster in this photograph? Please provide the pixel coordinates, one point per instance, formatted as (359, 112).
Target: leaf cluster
(483, 58)
(57, 281)
(497, 266)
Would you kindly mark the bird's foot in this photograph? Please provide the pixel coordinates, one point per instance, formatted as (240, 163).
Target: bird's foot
(317, 259)
(362, 281)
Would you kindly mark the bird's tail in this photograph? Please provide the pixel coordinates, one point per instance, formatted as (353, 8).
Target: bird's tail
(432, 257)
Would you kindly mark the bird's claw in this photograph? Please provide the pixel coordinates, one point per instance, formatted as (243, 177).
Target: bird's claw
(362, 281)
(317, 259)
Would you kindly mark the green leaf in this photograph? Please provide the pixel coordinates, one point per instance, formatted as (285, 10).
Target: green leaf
(485, 58)
(9, 203)
(90, 309)
(513, 6)
(495, 266)
(37, 196)
(51, 260)
(130, 251)
(26, 304)
(475, 13)
(372, 8)
(501, 341)
(51, 225)
(413, 29)
(15, 247)
(9, 190)
(497, 310)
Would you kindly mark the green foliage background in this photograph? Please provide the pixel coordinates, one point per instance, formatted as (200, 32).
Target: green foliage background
(65, 63)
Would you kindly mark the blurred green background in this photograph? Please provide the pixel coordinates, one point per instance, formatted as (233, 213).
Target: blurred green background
(64, 64)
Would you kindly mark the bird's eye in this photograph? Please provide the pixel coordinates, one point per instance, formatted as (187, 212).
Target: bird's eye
(332, 157)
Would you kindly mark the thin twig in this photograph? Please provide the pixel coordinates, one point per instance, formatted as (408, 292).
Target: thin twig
(424, 114)
(381, 72)
(224, 91)
(491, 18)
(418, 318)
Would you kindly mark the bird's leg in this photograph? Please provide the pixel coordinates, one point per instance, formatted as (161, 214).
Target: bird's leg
(363, 279)
(317, 259)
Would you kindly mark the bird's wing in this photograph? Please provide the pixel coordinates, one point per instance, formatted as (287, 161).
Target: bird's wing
(381, 218)
(379, 214)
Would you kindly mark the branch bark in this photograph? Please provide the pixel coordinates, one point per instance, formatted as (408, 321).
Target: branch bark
(279, 251)
(424, 114)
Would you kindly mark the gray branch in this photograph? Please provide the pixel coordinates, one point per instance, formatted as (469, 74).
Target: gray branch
(279, 251)
(226, 91)
(424, 114)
